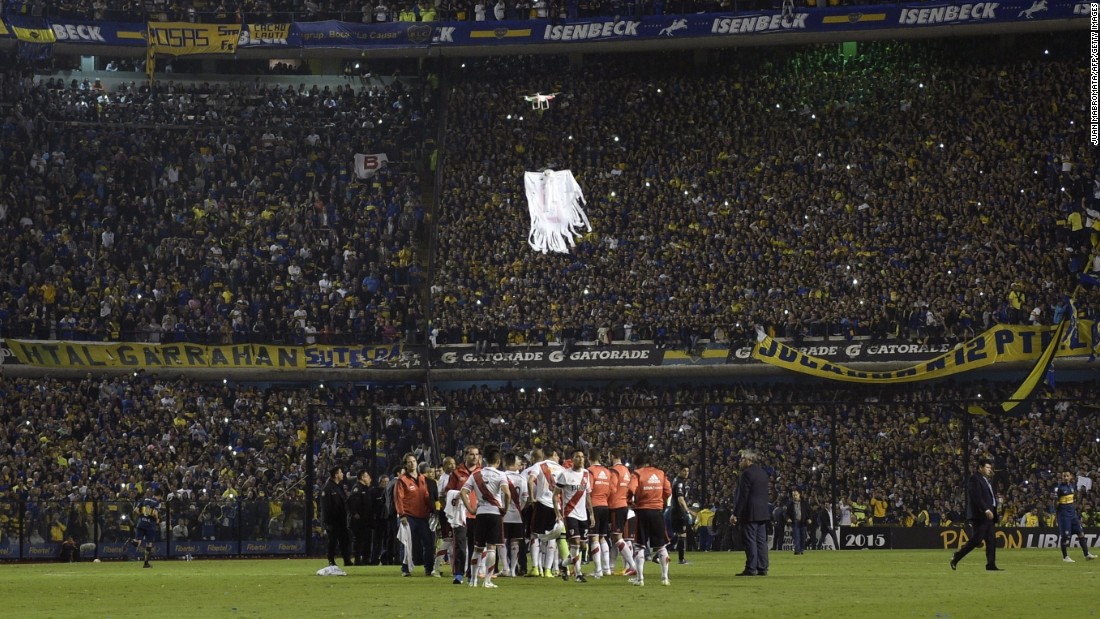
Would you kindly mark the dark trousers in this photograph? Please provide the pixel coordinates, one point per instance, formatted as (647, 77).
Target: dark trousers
(363, 536)
(470, 527)
(338, 537)
(679, 526)
(461, 554)
(378, 544)
(755, 536)
(385, 540)
(777, 540)
(983, 530)
(423, 544)
(798, 536)
(706, 538)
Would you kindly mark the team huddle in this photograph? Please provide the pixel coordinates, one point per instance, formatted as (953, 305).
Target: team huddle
(559, 509)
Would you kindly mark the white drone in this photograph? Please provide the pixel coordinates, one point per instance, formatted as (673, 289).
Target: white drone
(540, 101)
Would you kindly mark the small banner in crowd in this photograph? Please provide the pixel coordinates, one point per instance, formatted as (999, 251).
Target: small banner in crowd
(265, 35)
(367, 164)
(31, 29)
(35, 36)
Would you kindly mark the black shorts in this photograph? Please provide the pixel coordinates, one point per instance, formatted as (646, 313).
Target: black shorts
(619, 523)
(576, 528)
(528, 515)
(514, 530)
(488, 530)
(651, 528)
(543, 519)
(602, 524)
(146, 533)
(679, 524)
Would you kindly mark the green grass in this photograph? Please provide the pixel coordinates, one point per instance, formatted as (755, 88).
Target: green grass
(848, 584)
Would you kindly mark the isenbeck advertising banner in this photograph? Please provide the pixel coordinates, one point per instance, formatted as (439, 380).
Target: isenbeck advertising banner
(180, 38)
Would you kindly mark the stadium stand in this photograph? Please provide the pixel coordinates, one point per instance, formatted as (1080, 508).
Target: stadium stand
(239, 450)
(797, 189)
(207, 214)
(904, 193)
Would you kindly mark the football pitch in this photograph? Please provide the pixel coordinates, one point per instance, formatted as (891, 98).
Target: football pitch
(1035, 583)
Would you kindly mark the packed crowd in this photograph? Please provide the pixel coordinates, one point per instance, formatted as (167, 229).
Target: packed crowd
(226, 452)
(212, 214)
(913, 190)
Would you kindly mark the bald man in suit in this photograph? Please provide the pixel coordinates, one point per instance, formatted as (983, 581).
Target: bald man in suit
(752, 512)
(981, 513)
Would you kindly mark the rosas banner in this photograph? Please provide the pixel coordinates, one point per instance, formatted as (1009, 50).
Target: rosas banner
(185, 39)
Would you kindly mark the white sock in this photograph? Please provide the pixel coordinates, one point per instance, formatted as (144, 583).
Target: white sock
(474, 556)
(536, 554)
(627, 554)
(575, 558)
(597, 557)
(549, 555)
(639, 562)
(605, 554)
(514, 562)
(489, 562)
(505, 559)
(663, 556)
(443, 551)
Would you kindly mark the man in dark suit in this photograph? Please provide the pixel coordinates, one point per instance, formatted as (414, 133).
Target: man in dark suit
(752, 512)
(798, 516)
(981, 513)
(361, 512)
(334, 513)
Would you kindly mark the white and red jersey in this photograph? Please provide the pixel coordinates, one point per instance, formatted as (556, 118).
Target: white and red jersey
(544, 475)
(575, 488)
(517, 493)
(490, 485)
(601, 485)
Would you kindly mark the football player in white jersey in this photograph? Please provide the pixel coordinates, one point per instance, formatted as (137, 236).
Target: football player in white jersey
(541, 485)
(491, 489)
(574, 485)
(514, 526)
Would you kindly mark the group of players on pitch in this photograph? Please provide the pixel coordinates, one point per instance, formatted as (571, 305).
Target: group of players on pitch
(491, 507)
